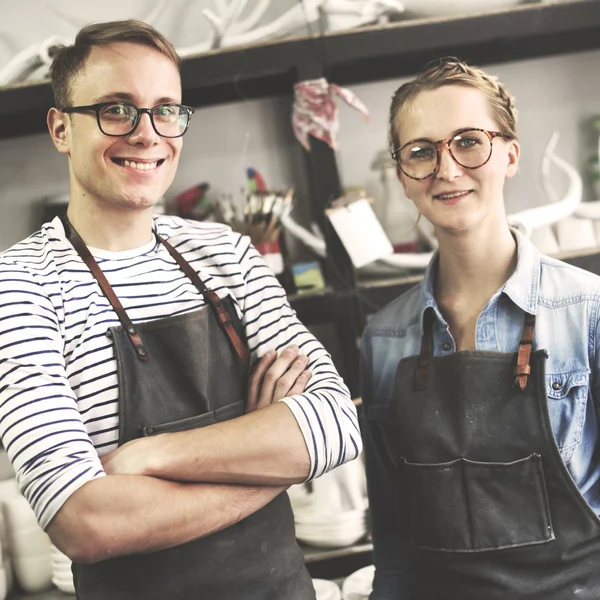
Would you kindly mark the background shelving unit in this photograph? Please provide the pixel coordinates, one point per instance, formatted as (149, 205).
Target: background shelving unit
(367, 54)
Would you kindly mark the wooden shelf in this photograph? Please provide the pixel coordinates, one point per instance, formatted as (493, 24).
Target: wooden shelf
(366, 54)
(312, 554)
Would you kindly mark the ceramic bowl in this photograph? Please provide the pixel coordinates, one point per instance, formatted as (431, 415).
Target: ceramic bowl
(359, 584)
(327, 590)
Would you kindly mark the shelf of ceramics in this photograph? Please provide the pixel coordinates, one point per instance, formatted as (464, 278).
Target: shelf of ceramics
(367, 54)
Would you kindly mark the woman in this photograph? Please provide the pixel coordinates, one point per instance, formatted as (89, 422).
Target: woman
(481, 384)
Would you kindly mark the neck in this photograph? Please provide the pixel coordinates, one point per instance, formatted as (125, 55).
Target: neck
(474, 264)
(114, 229)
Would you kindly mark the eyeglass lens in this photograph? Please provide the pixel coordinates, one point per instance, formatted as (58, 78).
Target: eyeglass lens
(470, 149)
(170, 120)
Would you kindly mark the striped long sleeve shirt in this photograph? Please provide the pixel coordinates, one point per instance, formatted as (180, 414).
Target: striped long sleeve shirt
(58, 375)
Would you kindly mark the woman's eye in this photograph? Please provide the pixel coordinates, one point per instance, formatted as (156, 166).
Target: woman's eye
(421, 153)
(467, 142)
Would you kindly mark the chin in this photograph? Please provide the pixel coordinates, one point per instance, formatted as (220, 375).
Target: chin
(457, 226)
(137, 202)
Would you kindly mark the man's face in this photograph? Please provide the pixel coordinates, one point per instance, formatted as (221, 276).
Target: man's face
(144, 77)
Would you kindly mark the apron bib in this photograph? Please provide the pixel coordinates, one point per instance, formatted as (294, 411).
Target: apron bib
(491, 510)
(176, 374)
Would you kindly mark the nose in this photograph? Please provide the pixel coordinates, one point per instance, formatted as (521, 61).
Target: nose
(144, 133)
(448, 168)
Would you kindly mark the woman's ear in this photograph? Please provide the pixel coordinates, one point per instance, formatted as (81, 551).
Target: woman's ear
(514, 151)
(59, 128)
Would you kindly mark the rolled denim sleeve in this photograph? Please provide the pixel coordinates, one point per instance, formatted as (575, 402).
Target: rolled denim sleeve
(391, 547)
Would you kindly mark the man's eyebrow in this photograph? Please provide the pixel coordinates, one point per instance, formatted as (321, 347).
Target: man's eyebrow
(125, 97)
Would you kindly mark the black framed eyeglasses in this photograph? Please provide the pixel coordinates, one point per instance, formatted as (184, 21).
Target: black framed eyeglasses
(470, 148)
(121, 118)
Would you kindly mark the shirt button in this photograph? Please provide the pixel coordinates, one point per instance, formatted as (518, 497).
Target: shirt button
(446, 346)
(556, 385)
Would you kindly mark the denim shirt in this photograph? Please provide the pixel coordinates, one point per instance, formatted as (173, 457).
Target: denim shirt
(566, 302)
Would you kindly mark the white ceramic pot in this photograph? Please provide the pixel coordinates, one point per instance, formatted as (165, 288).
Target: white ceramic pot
(8, 572)
(6, 469)
(399, 213)
(29, 540)
(34, 573)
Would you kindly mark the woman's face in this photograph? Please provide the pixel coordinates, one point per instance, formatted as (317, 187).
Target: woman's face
(456, 199)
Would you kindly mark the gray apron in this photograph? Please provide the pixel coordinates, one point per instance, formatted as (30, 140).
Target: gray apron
(490, 508)
(176, 374)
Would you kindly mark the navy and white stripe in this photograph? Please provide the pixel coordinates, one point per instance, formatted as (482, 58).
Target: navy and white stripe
(58, 377)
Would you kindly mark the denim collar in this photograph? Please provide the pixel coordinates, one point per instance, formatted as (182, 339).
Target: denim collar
(522, 287)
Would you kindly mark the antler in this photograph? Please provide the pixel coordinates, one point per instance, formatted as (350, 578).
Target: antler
(256, 14)
(307, 11)
(554, 211)
(155, 12)
(226, 17)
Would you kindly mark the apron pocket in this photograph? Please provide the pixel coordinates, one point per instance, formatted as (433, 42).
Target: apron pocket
(224, 413)
(470, 506)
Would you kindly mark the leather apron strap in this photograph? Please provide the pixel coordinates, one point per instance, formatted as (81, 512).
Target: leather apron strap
(106, 288)
(522, 368)
(221, 314)
(210, 297)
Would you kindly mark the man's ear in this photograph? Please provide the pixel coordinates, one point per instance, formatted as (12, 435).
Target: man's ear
(59, 128)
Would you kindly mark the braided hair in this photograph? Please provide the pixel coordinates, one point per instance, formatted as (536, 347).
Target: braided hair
(452, 71)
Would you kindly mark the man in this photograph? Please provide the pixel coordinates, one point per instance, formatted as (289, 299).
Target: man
(148, 455)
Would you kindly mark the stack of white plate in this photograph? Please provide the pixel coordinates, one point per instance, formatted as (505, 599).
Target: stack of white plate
(332, 511)
(331, 530)
(8, 489)
(29, 545)
(327, 590)
(359, 585)
(62, 576)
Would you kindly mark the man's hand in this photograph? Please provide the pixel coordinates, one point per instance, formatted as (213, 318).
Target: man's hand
(273, 378)
(128, 459)
(276, 377)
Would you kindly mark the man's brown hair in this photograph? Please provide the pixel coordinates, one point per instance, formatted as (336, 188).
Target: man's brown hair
(69, 60)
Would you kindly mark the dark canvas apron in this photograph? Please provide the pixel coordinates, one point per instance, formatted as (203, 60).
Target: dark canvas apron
(492, 510)
(175, 374)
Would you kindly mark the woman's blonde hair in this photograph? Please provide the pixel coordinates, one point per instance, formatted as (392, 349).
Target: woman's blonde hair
(452, 71)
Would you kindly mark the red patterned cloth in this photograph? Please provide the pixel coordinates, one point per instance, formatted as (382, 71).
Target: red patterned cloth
(316, 113)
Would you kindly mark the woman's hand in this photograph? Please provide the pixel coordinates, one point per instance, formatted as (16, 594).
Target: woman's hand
(276, 377)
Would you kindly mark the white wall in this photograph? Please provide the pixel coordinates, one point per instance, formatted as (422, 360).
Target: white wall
(559, 92)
